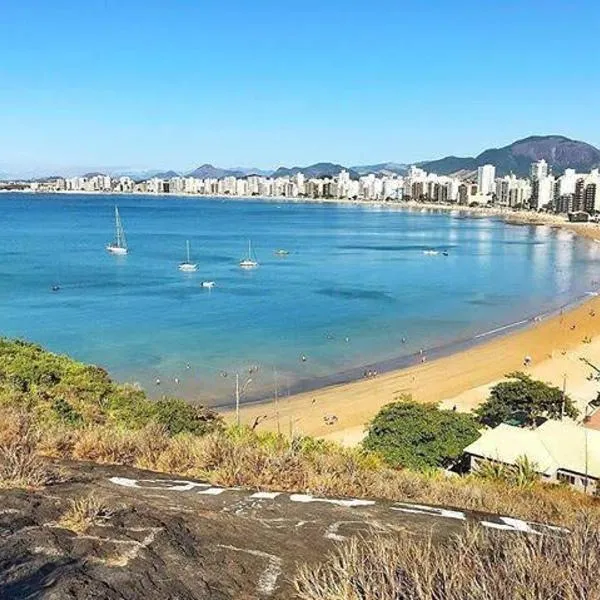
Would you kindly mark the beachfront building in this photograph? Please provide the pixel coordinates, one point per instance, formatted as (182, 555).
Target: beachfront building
(561, 451)
(570, 193)
(512, 191)
(486, 176)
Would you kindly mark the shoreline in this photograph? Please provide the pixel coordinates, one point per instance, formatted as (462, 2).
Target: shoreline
(399, 363)
(459, 378)
(334, 395)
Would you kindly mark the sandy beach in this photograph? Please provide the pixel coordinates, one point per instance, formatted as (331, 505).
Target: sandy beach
(555, 345)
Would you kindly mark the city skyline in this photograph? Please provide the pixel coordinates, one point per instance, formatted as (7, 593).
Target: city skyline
(148, 86)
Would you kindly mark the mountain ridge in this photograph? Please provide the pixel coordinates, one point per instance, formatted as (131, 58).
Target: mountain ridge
(559, 151)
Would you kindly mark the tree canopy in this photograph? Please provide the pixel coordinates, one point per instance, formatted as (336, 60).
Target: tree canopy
(524, 401)
(414, 435)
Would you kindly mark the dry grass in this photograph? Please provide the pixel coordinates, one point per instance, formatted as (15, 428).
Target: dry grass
(476, 565)
(266, 461)
(21, 466)
(83, 513)
(240, 457)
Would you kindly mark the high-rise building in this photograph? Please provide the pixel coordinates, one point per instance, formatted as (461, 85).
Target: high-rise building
(485, 179)
(539, 170)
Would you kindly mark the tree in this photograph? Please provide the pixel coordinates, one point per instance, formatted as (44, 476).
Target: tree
(418, 436)
(524, 401)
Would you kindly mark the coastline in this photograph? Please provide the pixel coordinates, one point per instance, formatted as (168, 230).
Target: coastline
(306, 409)
(462, 378)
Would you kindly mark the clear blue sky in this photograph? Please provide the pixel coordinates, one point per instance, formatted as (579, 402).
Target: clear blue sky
(175, 83)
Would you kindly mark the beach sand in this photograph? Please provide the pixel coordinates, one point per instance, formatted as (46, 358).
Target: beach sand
(463, 379)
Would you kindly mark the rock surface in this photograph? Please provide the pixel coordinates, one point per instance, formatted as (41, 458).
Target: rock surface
(177, 539)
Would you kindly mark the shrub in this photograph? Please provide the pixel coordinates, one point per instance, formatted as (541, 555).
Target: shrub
(524, 473)
(20, 464)
(56, 388)
(420, 436)
(83, 513)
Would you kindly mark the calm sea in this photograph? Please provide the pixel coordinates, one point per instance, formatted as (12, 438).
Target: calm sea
(355, 289)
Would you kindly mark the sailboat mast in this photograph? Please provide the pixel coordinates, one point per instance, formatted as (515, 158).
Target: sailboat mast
(118, 227)
(187, 245)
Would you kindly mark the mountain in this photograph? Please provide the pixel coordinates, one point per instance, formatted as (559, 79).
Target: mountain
(166, 174)
(382, 169)
(323, 169)
(558, 151)
(207, 171)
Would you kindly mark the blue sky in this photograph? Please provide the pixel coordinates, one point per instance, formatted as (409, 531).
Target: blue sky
(173, 84)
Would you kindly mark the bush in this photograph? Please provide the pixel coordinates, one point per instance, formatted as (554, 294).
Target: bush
(56, 388)
(420, 436)
(524, 401)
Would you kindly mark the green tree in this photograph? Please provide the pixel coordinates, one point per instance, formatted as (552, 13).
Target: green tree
(525, 401)
(419, 436)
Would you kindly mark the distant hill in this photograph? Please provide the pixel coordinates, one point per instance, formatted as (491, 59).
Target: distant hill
(323, 169)
(94, 174)
(381, 169)
(207, 171)
(166, 174)
(560, 152)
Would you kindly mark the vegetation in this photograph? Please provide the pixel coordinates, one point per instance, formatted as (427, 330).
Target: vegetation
(478, 564)
(419, 436)
(524, 473)
(54, 408)
(524, 401)
(57, 389)
(83, 513)
(20, 462)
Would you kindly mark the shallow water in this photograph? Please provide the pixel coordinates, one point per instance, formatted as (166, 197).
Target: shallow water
(356, 282)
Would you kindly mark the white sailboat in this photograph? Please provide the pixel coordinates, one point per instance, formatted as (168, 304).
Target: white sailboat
(187, 266)
(119, 245)
(250, 261)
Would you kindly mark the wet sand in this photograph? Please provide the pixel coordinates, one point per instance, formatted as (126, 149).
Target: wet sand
(463, 379)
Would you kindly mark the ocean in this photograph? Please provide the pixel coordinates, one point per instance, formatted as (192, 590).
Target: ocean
(358, 287)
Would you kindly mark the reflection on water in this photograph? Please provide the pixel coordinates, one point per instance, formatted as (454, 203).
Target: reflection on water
(356, 288)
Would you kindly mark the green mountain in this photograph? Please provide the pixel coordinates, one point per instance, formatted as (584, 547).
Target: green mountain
(558, 151)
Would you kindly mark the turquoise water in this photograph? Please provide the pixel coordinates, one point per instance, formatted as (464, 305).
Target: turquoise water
(356, 282)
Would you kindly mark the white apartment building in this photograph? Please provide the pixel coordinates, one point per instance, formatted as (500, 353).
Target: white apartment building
(539, 170)
(486, 176)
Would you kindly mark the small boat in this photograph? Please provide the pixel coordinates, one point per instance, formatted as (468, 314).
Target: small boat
(208, 284)
(250, 261)
(119, 245)
(187, 266)
(281, 252)
(445, 252)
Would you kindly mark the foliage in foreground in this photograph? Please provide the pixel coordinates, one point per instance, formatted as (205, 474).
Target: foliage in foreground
(523, 400)
(21, 465)
(245, 458)
(57, 389)
(419, 436)
(478, 564)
